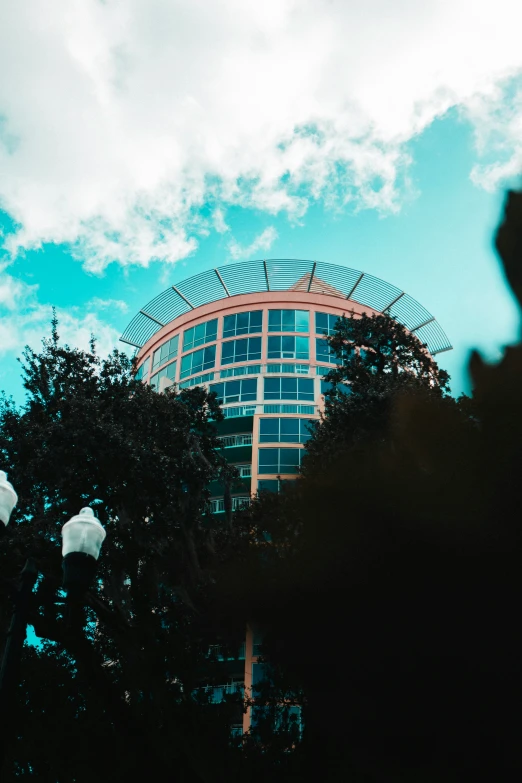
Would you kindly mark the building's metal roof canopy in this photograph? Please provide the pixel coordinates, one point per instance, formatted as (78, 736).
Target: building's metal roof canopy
(286, 274)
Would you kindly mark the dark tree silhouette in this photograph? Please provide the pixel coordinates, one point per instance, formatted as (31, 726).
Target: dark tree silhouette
(390, 589)
(89, 434)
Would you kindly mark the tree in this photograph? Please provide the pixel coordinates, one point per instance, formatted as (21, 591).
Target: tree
(377, 358)
(90, 434)
(390, 591)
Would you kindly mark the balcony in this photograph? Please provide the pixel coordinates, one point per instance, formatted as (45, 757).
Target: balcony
(220, 653)
(228, 441)
(217, 694)
(218, 506)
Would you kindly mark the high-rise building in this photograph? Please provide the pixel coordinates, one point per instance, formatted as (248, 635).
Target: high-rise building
(255, 333)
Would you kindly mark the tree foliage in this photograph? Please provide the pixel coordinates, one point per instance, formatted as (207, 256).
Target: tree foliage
(89, 434)
(390, 592)
(377, 358)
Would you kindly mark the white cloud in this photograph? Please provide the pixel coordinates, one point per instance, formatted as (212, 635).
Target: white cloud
(25, 321)
(263, 241)
(119, 120)
(108, 304)
(219, 222)
(498, 135)
(13, 292)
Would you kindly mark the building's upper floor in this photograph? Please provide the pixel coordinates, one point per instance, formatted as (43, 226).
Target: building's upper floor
(263, 317)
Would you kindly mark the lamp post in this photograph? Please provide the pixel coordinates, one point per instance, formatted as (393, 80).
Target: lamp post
(82, 538)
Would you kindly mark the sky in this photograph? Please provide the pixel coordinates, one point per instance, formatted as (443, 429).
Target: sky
(145, 141)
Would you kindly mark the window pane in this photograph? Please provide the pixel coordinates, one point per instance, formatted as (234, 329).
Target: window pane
(274, 347)
(241, 352)
(211, 330)
(272, 389)
(156, 358)
(218, 388)
(209, 357)
(288, 347)
(254, 348)
(247, 349)
(256, 320)
(289, 388)
(249, 390)
(342, 388)
(301, 347)
(268, 485)
(173, 350)
(306, 388)
(289, 460)
(164, 352)
(288, 321)
(199, 334)
(268, 460)
(185, 365)
(274, 321)
(227, 355)
(289, 430)
(242, 323)
(304, 431)
(323, 352)
(268, 430)
(188, 339)
(229, 325)
(170, 370)
(143, 370)
(301, 321)
(197, 361)
(321, 323)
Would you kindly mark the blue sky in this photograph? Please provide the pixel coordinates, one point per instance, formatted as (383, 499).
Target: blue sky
(141, 143)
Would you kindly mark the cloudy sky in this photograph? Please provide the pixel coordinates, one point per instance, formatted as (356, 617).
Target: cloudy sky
(142, 141)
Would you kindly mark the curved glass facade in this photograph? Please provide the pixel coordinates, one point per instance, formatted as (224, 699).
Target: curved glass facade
(263, 354)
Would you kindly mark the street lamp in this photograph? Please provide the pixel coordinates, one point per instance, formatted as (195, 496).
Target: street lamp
(8, 499)
(82, 538)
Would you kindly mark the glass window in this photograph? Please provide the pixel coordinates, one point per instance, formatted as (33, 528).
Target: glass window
(198, 361)
(270, 485)
(288, 321)
(166, 352)
(343, 388)
(250, 369)
(284, 430)
(247, 350)
(143, 370)
(244, 390)
(218, 506)
(200, 334)
(289, 389)
(287, 347)
(197, 380)
(325, 323)
(167, 372)
(297, 369)
(279, 460)
(242, 323)
(322, 351)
